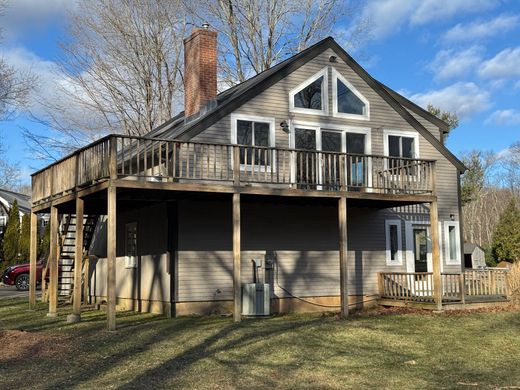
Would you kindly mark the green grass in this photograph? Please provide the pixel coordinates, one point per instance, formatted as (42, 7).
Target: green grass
(293, 351)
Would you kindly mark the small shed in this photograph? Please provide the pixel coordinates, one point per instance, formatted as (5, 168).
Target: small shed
(474, 256)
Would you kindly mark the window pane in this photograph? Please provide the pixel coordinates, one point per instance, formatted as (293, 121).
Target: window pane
(348, 102)
(355, 143)
(245, 137)
(310, 96)
(408, 147)
(393, 146)
(305, 139)
(393, 242)
(261, 139)
(452, 242)
(244, 133)
(261, 134)
(331, 141)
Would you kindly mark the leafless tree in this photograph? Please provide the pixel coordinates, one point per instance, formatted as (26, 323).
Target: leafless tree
(120, 72)
(256, 34)
(15, 87)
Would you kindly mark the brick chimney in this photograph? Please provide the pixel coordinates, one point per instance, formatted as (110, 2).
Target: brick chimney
(200, 69)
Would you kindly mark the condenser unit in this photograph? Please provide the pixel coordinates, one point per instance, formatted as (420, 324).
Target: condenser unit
(255, 299)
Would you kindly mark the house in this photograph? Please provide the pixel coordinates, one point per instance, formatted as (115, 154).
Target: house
(323, 186)
(7, 199)
(474, 256)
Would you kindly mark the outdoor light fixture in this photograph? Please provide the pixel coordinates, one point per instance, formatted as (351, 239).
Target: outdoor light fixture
(452, 217)
(285, 126)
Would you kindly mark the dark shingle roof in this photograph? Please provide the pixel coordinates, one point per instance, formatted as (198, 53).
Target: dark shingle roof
(227, 101)
(23, 200)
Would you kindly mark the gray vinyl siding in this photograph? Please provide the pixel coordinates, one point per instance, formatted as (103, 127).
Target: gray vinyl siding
(151, 279)
(302, 237)
(274, 102)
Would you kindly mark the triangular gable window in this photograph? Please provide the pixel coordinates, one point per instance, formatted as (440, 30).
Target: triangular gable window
(348, 101)
(311, 95)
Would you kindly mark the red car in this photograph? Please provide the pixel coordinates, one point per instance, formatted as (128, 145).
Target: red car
(18, 275)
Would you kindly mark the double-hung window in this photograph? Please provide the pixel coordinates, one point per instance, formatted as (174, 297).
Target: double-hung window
(255, 136)
(399, 147)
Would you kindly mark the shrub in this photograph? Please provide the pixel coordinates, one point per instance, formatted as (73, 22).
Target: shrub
(11, 242)
(514, 283)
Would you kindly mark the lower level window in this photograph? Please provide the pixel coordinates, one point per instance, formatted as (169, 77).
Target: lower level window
(394, 252)
(131, 245)
(452, 242)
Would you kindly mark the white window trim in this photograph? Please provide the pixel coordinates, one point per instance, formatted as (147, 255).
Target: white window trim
(4, 219)
(335, 76)
(324, 95)
(458, 259)
(319, 127)
(399, 257)
(272, 139)
(131, 261)
(400, 133)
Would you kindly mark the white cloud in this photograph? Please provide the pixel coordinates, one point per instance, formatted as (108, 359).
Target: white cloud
(465, 99)
(389, 16)
(25, 17)
(505, 64)
(47, 78)
(507, 117)
(448, 64)
(482, 29)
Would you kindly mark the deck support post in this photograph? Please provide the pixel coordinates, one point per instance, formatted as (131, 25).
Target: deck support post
(33, 254)
(343, 267)
(111, 257)
(436, 259)
(78, 262)
(53, 263)
(237, 288)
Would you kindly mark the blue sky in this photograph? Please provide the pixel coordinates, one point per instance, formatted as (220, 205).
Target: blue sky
(461, 55)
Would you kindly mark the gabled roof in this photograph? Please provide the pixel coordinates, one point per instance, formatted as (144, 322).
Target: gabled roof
(469, 247)
(9, 197)
(227, 101)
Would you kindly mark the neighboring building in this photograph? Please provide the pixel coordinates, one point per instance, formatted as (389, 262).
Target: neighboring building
(7, 199)
(474, 256)
(308, 171)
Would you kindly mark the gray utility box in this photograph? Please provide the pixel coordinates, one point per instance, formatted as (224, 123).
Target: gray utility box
(255, 299)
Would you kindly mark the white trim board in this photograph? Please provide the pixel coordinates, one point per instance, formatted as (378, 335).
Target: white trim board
(324, 94)
(335, 76)
(399, 259)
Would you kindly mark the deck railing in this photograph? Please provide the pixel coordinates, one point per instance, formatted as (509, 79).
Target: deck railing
(419, 287)
(139, 158)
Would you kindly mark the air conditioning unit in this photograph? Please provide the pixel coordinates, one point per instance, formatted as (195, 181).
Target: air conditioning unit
(255, 299)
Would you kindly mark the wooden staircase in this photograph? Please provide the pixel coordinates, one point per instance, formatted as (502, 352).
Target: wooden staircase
(67, 249)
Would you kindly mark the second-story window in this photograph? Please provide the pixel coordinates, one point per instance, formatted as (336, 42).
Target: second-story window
(310, 97)
(256, 132)
(399, 146)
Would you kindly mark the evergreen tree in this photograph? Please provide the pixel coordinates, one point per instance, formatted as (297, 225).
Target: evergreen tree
(11, 246)
(25, 239)
(45, 242)
(472, 181)
(506, 239)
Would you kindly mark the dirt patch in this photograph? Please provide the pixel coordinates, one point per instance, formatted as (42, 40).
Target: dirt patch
(19, 345)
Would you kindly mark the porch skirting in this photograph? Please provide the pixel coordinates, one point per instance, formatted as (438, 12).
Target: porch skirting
(278, 305)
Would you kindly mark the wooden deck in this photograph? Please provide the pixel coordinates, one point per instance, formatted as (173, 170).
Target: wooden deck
(138, 162)
(472, 288)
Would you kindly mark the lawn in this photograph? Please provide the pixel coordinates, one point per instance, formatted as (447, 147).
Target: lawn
(415, 350)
